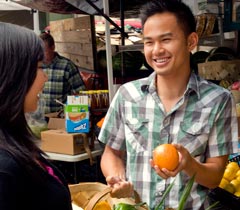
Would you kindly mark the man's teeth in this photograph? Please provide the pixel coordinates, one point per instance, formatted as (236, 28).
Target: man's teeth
(161, 60)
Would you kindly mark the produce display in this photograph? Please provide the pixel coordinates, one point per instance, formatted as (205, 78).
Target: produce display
(86, 195)
(234, 87)
(231, 179)
(102, 205)
(129, 61)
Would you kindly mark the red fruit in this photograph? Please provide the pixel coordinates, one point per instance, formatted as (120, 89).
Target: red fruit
(235, 85)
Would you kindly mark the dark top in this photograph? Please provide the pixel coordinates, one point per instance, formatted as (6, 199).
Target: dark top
(19, 190)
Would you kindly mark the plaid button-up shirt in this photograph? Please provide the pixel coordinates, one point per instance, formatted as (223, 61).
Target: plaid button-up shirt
(63, 79)
(203, 121)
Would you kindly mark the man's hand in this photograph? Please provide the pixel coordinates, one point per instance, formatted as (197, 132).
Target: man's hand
(120, 187)
(184, 159)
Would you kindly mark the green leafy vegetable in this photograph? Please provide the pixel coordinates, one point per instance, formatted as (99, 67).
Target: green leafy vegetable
(125, 206)
(186, 193)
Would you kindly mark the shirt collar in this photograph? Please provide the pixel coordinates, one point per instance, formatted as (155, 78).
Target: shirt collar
(149, 84)
(193, 84)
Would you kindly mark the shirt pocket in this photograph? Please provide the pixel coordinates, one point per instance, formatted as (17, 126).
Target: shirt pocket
(136, 131)
(194, 136)
(195, 128)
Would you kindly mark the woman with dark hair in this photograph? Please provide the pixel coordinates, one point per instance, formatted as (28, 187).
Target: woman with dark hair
(27, 180)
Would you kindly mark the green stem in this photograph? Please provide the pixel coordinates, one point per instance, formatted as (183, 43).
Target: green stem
(160, 205)
(186, 193)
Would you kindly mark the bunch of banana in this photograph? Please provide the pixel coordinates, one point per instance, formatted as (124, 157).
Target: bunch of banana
(226, 83)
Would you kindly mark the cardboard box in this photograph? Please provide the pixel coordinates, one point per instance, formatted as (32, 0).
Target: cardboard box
(56, 123)
(59, 141)
(75, 38)
(55, 120)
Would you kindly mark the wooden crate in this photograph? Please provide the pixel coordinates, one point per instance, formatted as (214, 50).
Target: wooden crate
(75, 39)
(219, 70)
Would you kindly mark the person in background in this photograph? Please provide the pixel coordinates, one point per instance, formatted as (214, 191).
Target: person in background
(27, 179)
(172, 105)
(64, 76)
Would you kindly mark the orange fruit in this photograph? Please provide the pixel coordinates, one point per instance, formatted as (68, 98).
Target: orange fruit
(100, 122)
(102, 205)
(166, 156)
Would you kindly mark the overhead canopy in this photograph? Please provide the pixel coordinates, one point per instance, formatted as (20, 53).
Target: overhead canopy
(131, 7)
(10, 13)
(10, 6)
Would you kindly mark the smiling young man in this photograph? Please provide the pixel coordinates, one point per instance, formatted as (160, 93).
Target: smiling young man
(172, 105)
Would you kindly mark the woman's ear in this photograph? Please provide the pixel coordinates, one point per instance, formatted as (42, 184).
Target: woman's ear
(192, 41)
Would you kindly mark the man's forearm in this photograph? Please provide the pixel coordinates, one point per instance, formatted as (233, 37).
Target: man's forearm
(112, 163)
(208, 174)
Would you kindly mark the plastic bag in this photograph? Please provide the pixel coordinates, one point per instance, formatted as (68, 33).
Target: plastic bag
(36, 120)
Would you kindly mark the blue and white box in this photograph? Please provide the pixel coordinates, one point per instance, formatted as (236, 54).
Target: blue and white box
(77, 114)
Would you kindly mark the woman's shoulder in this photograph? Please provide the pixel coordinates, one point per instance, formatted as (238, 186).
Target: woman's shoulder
(8, 163)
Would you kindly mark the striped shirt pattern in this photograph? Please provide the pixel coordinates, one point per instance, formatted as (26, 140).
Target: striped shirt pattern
(203, 121)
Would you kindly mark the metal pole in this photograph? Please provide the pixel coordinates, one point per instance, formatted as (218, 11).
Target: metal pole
(36, 22)
(108, 52)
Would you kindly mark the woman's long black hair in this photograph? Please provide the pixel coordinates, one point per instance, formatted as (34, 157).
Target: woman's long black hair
(20, 51)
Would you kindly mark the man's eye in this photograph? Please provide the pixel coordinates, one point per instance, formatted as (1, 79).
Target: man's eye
(147, 42)
(166, 39)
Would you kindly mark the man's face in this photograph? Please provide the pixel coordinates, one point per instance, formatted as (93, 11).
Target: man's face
(166, 47)
(48, 53)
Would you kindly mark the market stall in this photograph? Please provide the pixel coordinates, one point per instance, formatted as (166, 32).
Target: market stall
(81, 7)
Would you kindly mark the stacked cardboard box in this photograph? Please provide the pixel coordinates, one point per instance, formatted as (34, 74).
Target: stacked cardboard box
(75, 39)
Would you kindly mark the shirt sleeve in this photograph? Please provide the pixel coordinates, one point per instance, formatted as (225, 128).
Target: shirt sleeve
(112, 131)
(225, 131)
(75, 80)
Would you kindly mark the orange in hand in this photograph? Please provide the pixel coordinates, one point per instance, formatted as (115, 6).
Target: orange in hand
(166, 156)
